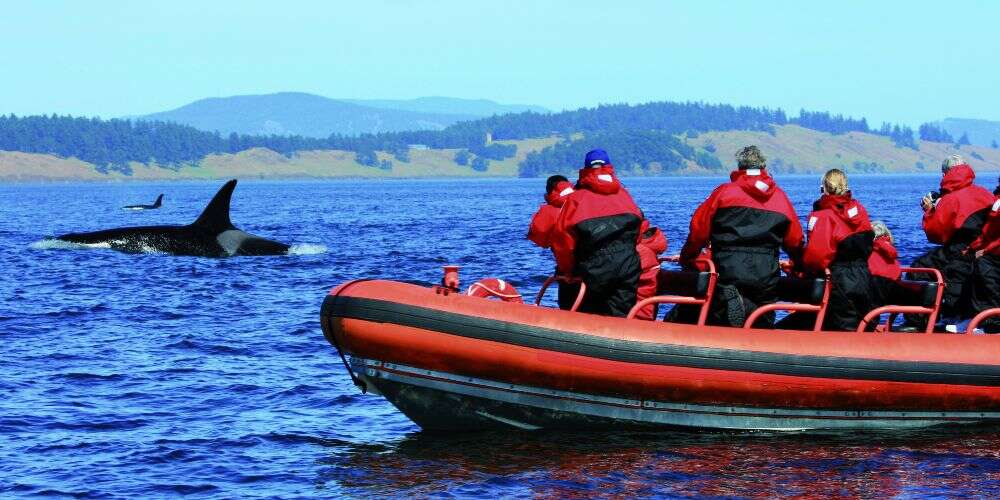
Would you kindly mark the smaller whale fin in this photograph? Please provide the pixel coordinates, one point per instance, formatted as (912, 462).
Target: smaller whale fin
(158, 202)
(215, 217)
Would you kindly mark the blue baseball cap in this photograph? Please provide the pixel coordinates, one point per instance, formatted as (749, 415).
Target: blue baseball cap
(596, 158)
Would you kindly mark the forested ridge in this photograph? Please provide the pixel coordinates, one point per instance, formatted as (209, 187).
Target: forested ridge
(644, 136)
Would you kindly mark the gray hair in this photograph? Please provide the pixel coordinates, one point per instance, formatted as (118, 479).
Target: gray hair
(952, 161)
(880, 229)
(750, 157)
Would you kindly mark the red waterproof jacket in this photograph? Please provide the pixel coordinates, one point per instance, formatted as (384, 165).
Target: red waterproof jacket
(882, 261)
(834, 220)
(749, 211)
(989, 240)
(652, 243)
(959, 214)
(545, 218)
(600, 213)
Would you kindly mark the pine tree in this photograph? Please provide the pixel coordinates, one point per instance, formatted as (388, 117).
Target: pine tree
(964, 140)
(995, 144)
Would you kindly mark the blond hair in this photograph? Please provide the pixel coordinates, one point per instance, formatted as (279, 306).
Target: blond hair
(750, 157)
(952, 161)
(835, 182)
(880, 229)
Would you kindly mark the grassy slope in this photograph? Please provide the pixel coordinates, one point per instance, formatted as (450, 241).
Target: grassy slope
(263, 163)
(807, 151)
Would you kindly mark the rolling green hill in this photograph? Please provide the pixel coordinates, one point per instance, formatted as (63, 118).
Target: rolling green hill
(790, 149)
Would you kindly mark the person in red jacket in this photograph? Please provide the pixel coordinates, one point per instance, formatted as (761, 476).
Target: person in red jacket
(952, 219)
(652, 243)
(985, 293)
(882, 262)
(595, 238)
(840, 238)
(746, 221)
(557, 188)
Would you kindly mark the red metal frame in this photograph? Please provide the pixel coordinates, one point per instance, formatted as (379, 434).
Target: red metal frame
(705, 302)
(974, 323)
(819, 309)
(893, 310)
(563, 279)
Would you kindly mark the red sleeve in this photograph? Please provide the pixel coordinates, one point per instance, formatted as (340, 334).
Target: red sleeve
(541, 225)
(939, 222)
(563, 237)
(701, 226)
(990, 236)
(657, 242)
(822, 245)
(792, 242)
(652, 238)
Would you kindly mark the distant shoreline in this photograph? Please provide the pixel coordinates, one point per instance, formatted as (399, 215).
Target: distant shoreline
(791, 150)
(980, 175)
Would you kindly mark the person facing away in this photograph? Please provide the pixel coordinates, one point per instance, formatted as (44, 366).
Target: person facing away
(952, 219)
(745, 221)
(652, 243)
(883, 261)
(840, 238)
(595, 237)
(985, 289)
(557, 188)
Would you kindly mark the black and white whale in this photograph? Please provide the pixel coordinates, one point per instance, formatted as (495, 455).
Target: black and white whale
(211, 235)
(156, 204)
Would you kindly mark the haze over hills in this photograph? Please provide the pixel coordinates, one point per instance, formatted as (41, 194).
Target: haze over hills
(981, 132)
(309, 115)
(449, 105)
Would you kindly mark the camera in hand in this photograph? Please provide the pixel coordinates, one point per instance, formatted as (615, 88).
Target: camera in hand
(933, 195)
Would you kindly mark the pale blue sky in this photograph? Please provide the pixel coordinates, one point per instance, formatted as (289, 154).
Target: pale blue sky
(899, 61)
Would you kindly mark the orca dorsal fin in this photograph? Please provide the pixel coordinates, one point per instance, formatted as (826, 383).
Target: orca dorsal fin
(216, 215)
(159, 200)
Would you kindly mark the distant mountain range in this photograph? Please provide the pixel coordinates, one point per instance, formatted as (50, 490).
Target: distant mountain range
(981, 132)
(309, 115)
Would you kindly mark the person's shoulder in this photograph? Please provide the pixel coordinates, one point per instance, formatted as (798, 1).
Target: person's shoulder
(819, 216)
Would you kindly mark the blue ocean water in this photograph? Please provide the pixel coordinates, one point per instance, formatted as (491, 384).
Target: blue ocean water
(150, 375)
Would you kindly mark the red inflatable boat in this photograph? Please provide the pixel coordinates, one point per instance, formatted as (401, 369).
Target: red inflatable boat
(453, 361)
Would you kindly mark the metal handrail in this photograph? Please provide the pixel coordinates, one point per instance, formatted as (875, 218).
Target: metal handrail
(974, 323)
(705, 302)
(819, 309)
(563, 279)
(894, 310)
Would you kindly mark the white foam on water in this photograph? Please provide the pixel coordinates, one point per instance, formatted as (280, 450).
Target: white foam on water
(306, 249)
(54, 244)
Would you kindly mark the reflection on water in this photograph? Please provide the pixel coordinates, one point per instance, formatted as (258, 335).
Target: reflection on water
(953, 461)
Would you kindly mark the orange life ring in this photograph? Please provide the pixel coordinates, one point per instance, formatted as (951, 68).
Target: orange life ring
(494, 287)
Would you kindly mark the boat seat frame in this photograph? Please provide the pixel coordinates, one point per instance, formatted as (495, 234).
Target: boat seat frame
(819, 309)
(705, 300)
(895, 310)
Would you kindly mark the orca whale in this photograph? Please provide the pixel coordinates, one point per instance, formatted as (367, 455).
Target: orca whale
(156, 204)
(211, 235)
